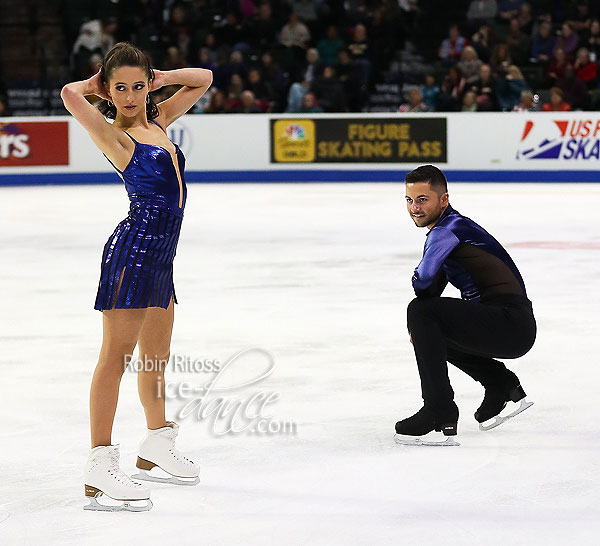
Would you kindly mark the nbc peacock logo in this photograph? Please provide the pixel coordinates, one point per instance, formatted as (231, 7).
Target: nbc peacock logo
(295, 132)
(292, 140)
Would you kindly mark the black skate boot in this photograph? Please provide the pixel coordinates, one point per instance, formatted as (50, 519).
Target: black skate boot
(411, 431)
(496, 399)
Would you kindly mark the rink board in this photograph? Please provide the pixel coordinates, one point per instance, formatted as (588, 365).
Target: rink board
(495, 147)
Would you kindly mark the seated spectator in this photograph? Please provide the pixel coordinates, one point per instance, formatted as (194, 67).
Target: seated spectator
(556, 103)
(430, 92)
(469, 102)
(574, 90)
(270, 72)
(231, 34)
(178, 32)
(173, 60)
(585, 69)
(509, 86)
(385, 38)
(359, 52)
(528, 103)
(558, 64)
(525, 19)
(218, 103)
(567, 40)
(275, 78)
(313, 65)
(452, 47)
(210, 43)
(469, 64)
(349, 76)
(263, 29)
(294, 37)
(483, 42)
(294, 33)
(247, 104)
(329, 91)
(481, 12)
(518, 43)
(507, 9)
(592, 40)
(95, 36)
(485, 89)
(450, 97)
(542, 45)
(236, 65)
(582, 18)
(329, 46)
(414, 101)
(234, 90)
(205, 60)
(261, 90)
(500, 59)
(309, 104)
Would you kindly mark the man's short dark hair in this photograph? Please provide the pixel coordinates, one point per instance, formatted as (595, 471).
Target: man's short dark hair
(428, 173)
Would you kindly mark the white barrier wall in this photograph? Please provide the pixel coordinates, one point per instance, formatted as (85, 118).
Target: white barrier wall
(326, 147)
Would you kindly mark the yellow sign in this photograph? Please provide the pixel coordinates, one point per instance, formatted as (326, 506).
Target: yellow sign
(294, 140)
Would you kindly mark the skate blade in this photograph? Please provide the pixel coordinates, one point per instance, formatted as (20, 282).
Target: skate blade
(499, 419)
(416, 441)
(95, 506)
(173, 480)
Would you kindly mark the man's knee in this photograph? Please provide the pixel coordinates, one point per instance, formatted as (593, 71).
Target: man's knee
(417, 308)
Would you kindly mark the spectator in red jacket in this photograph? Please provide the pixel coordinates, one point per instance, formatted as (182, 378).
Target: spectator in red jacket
(556, 67)
(585, 69)
(556, 104)
(575, 91)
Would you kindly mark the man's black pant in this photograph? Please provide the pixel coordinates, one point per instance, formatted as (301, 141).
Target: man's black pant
(469, 335)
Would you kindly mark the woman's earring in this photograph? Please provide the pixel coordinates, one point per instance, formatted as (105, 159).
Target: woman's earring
(110, 104)
(148, 98)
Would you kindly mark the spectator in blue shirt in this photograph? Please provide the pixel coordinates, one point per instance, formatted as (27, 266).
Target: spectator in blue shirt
(542, 45)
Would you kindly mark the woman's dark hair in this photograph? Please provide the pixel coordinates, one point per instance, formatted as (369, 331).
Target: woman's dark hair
(126, 54)
(431, 174)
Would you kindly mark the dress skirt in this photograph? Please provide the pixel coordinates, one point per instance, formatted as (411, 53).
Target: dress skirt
(141, 249)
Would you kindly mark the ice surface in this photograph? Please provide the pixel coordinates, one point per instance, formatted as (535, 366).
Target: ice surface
(319, 275)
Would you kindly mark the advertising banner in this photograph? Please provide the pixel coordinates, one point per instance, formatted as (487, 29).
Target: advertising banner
(27, 143)
(359, 140)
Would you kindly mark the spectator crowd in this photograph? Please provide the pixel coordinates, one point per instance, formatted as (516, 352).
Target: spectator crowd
(309, 56)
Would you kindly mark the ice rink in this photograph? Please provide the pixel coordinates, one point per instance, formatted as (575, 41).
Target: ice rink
(318, 276)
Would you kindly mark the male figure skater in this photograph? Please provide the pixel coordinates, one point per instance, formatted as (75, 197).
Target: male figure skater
(494, 318)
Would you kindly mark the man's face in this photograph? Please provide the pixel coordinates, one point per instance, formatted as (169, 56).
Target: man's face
(424, 205)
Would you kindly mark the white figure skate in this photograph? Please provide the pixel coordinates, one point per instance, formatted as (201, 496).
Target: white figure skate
(158, 450)
(104, 477)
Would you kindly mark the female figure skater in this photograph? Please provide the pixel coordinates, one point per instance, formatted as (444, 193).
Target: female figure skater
(136, 291)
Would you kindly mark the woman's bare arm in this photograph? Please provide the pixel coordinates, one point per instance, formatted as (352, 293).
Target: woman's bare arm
(195, 82)
(109, 139)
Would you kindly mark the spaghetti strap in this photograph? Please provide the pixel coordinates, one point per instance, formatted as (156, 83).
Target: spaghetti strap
(134, 140)
(156, 123)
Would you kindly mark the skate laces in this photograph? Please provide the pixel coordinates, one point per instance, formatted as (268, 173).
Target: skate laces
(115, 470)
(172, 435)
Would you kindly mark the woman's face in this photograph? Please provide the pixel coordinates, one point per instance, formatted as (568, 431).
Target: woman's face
(128, 88)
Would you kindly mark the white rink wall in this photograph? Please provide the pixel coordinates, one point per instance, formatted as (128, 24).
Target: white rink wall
(551, 147)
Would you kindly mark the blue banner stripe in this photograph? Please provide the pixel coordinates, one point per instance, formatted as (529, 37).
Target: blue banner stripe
(329, 175)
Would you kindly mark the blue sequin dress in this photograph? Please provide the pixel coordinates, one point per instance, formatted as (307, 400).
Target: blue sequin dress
(142, 247)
